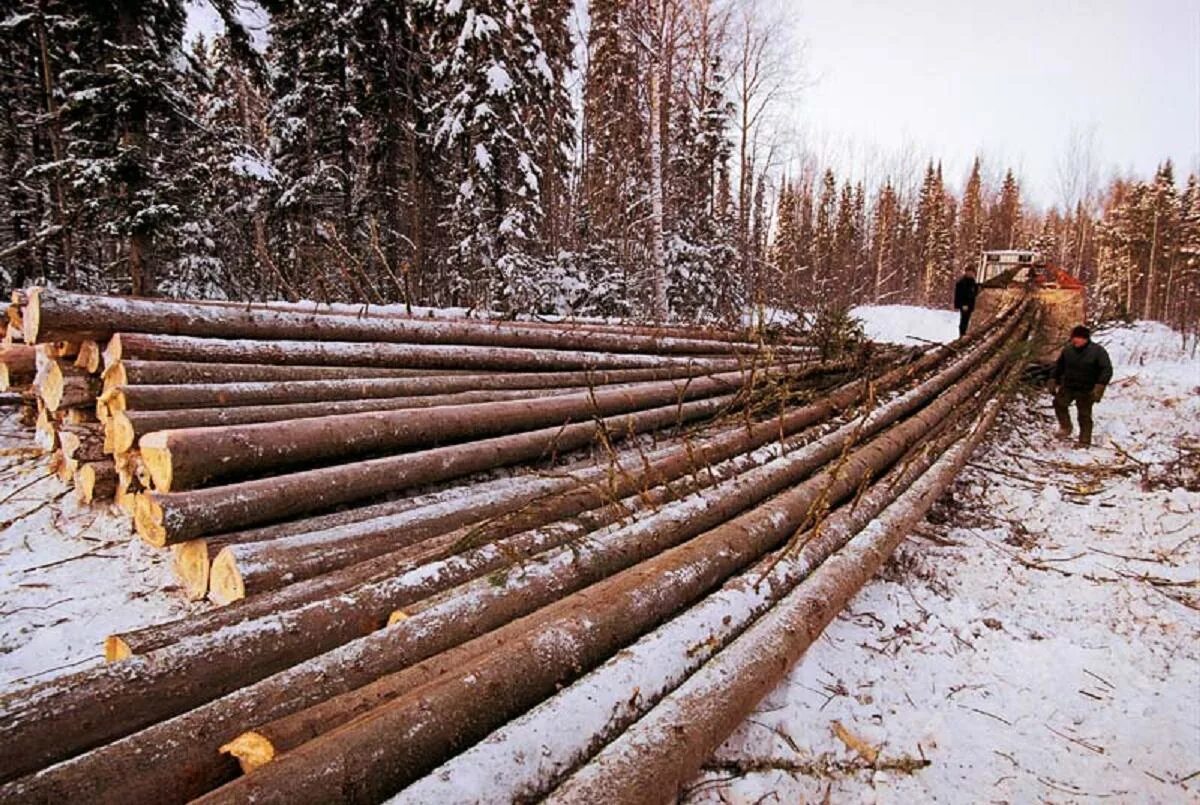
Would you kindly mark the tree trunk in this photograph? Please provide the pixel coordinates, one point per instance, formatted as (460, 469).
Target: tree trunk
(166, 519)
(221, 395)
(128, 426)
(386, 355)
(187, 459)
(357, 763)
(51, 315)
(149, 373)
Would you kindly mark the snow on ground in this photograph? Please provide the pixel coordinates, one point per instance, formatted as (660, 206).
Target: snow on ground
(1037, 640)
(69, 575)
(907, 325)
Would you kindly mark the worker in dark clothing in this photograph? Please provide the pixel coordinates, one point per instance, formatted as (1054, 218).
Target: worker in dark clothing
(965, 291)
(1082, 371)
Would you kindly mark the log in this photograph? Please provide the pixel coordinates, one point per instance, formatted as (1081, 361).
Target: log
(89, 357)
(189, 458)
(389, 355)
(538, 752)
(528, 503)
(218, 395)
(165, 519)
(175, 755)
(127, 427)
(45, 431)
(95, 480)
(356, 763)
(137, 373)
(17, 366)
(666, 748)
(64, 386)
(51, 314)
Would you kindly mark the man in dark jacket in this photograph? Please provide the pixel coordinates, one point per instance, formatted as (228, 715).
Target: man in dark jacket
(1080, 375)
(965, 291)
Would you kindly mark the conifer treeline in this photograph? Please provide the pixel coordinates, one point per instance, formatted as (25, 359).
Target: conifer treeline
(452, 152)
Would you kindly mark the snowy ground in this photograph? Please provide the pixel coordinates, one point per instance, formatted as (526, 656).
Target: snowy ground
(1037, 640)
(69, 575)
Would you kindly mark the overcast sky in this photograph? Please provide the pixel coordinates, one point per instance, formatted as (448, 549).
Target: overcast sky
(1010, 78)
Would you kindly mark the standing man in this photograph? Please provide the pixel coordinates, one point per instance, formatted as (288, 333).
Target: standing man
(1080, 375)
(965, 291)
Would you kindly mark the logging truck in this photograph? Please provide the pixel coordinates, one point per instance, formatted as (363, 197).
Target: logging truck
(1005, 274)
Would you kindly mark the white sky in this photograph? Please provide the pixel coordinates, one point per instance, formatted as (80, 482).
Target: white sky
(1007, 78)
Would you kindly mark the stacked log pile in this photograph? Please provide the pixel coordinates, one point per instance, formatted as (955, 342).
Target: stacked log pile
(330, 480)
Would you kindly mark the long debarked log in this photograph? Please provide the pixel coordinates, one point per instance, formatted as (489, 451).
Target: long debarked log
(666, 749)
(153, 762)
(51, 314)
(188, 458)
(355, 762)
(386, 355)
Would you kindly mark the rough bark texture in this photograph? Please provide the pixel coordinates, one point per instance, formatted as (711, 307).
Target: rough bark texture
(217, 395)
(666, 749)
(51, 315)
(124, 346)
(165, 519)
(138, 373)
(357, 762)
(127, 427)
(189, 458)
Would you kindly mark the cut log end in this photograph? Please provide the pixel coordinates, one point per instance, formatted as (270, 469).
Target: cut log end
(225, 584)
(251, 749)
(31, 318)
(114, 376)
(191, 566)
(112, 352)
(118, 433)
(397, 616)
(52, 386)
(157, 457)
(148, 519)
(89, 357)
(5, 381)
(116, 649)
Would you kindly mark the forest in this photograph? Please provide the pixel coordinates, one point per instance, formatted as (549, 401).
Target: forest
(525, 156)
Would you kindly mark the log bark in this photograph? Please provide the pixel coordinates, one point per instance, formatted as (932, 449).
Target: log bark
(138, 373)
(165, 519)
(218, 395)
(125, 428)
(124, 346)
(82, 441)
(356, 763)
(169, 519)
(17, 366)
(51, 314)
(528, 503)
(666, 749)
(599, 705)
(189, 458)
(175, 755)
